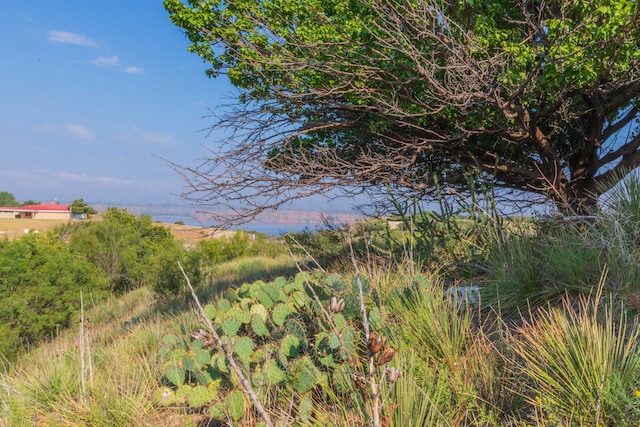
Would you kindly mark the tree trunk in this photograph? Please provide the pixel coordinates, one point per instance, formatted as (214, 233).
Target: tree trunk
(577, 198)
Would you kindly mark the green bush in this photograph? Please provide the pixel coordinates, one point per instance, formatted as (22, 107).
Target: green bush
(40, 284)
(124, 247)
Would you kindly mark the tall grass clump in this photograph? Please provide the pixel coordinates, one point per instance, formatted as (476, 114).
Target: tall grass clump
(418, 397)
(619, 233)
(429, 321)
(532, 270)
(566, 255)
(462, 232)
(580, 363)
(449, 348)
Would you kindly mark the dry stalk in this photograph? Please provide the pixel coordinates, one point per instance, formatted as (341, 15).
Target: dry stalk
(373, 384)
(244, 382)
(82, 362)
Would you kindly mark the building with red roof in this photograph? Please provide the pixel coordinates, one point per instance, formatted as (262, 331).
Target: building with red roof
(52, 210)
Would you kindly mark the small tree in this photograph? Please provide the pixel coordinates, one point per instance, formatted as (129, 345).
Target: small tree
(79, 207)
(536, 97)
(7, 199)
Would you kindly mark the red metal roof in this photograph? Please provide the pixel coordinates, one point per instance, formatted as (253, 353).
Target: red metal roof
(46, 207)
(43, 207)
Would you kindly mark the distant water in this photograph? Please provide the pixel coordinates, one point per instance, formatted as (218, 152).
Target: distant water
(275, 229)
(283, 221)
(270, 228)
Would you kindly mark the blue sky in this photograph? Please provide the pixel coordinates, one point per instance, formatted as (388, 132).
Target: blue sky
(91, 93)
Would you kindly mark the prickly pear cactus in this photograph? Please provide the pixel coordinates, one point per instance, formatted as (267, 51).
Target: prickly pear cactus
(278, 335)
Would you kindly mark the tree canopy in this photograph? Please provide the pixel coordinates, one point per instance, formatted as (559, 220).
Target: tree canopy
(7, 199)
(421, 96)
(80, 207)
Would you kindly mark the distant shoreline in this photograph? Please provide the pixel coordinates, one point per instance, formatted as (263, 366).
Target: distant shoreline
(272, 223)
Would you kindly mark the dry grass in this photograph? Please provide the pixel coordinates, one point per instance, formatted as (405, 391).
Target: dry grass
(15, 228)
(190, 233)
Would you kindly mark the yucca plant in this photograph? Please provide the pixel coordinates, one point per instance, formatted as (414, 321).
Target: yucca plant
(418, 397)
(619, 233)
(580, 362)
(533, 270)
(431, 322)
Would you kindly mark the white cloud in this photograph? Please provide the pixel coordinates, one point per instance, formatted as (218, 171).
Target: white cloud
(79, 131)
(134, 135)
(70, 129)
(133, 70)
(105, 180)
(113, 60)
(71, 38)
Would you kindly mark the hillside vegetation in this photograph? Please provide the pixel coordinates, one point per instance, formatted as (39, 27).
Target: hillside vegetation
(467, 318)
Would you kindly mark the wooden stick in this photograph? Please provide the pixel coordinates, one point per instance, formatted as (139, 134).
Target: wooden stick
(244, 382)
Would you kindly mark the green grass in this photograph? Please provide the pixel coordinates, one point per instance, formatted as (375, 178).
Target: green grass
(583, 362)
(554, 346)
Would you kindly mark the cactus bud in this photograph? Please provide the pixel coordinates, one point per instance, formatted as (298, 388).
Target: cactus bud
(392, 374)
(376, 343)
(385, 355)
(336, 305)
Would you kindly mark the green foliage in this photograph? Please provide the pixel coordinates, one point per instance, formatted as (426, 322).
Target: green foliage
(533, 270)
(429, 93)
(132, 252)
(581, 363)
(8, 199)
(547, 260)
(41, 275)
(326, 245)
(430, 322)
(458, 367)
(254, 254)
(80, 207)
(213, 251)
(40, 284)
(277, 337)
(419, 399)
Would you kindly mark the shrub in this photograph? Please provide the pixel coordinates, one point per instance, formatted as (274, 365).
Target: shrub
(581, 364)
(41, 283)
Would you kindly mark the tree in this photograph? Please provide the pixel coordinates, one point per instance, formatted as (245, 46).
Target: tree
(124, 247)
(40, 285)
(7, 199)
(421, 96)
(80, 207)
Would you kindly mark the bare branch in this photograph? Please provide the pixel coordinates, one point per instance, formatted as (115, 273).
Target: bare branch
(228, 353)
(412, 94)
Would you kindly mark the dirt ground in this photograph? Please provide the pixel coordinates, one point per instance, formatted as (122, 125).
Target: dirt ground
(191, 233)
(13, 228)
